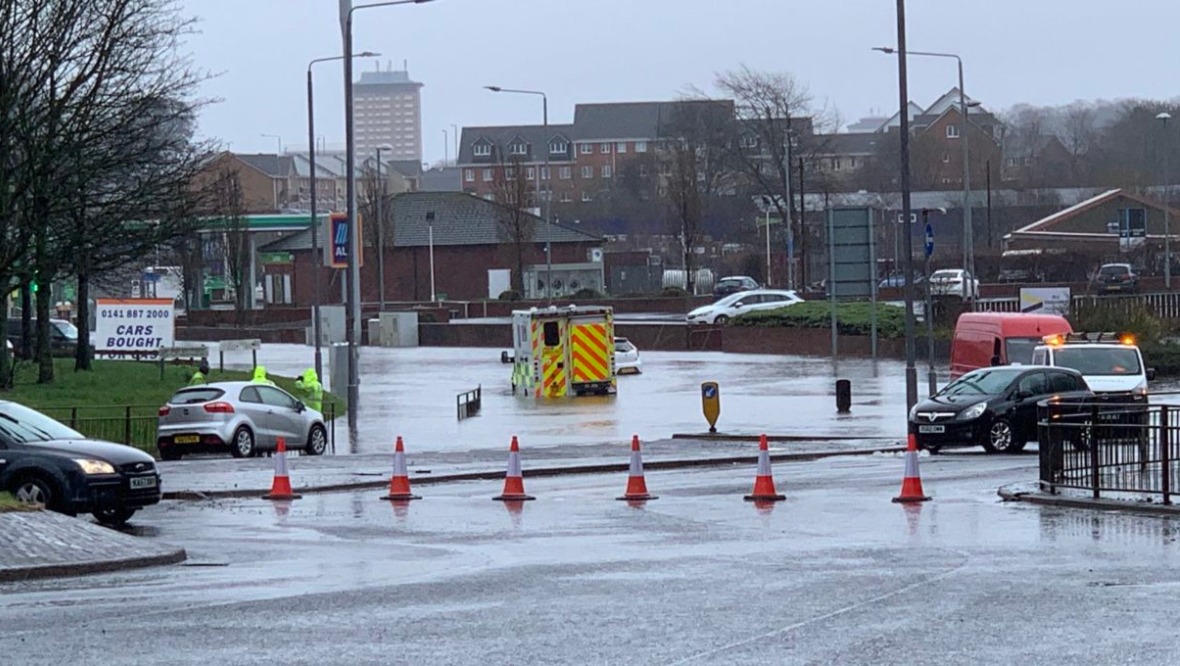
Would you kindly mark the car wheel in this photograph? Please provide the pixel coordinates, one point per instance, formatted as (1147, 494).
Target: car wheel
(1001, 437)
(317, 441)
(720, 320)
(243, 444)
(113, 517)
(34, 490)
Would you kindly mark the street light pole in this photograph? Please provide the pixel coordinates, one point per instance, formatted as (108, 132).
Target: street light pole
(354, 274)
(548, 224)
(278, 139)
(316, 259)
(911, 373)
(1164, 117)
(968, 225)
(931, 375)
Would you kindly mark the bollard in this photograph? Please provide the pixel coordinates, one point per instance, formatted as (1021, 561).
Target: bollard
(843, 396)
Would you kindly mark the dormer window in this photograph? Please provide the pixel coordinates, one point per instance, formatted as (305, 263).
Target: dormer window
(559, 147)
(952, 131)
(482, 150)
(518, 148)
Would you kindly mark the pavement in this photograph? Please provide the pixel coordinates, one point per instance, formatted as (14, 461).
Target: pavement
(43, 544)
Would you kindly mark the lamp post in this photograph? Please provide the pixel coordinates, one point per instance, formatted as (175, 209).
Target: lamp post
(968, 227)
(315, 235)
(548, 227)
(931, 375)
(277, 138)
(380, 221)
(911, 373)
(430, 246)
(354, 273)
(1164, 117)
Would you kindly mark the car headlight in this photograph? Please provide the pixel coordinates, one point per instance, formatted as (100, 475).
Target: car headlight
(973, 412)
(95, 466)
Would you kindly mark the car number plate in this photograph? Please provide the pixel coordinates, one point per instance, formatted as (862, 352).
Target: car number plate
(187, 439)
(143, 482)
(931, 429)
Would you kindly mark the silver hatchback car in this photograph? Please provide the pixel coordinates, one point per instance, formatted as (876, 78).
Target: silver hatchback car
(244, 418)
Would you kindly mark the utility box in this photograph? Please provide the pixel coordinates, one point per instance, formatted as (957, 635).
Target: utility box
(397, 329)
(562, 352)
(332, 325)
(338, 369)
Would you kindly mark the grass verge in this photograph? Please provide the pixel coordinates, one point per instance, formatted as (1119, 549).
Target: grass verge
(10, 503)
(117, 401)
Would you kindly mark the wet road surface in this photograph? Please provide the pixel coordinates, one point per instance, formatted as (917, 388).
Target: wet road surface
(837, 574)
(412, 392)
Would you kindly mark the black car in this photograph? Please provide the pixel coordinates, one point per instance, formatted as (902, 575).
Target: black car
(44, 462)
(63, 337)
(732, 285)
(1116, 278)
(993, 407)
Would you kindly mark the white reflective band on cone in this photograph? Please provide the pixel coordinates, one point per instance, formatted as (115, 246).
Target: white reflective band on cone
(514, 464)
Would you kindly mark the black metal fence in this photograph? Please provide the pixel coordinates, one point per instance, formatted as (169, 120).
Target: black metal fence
(135, 425)
(1110, 447)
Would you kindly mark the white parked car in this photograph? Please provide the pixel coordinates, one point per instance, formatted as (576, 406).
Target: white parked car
(741, 303)
(626, 357)
(953, 282)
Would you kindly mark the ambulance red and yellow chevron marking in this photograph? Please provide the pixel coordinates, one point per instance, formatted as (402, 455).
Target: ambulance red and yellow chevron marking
(590, 350)
(555, 379)
(534, 371)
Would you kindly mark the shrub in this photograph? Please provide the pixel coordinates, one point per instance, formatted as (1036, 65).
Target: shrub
(673, 292)
(585, 294)
(509, 295)
(1118, 316)
(853, 318)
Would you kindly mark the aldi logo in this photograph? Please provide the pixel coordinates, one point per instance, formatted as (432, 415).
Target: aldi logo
(336, 250)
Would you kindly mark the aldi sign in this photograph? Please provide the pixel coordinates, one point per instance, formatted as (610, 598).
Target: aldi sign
(336, 249)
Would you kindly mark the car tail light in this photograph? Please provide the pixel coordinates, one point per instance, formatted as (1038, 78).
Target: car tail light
(219, 408)
(165, 410)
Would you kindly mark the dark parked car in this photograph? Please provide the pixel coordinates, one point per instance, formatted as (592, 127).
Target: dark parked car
(732, 285)
(44, 462)
(63, 337)
(993, 407)
(897, 280)
(1116, 278)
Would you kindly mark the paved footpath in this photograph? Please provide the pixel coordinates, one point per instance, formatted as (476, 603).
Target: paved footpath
(42, 544)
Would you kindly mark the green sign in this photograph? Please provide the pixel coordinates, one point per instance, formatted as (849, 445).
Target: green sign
(276, 258)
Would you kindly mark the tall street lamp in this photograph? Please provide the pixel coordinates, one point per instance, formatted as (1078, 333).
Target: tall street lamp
(354, 273)
(548, 228)
(911, 373)
(315, 235)
(277, 139)
(1164, 118)
(931, 375)
(968, 228)
(381, 228)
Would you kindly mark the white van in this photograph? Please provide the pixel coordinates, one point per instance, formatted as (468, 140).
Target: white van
(1110, 364)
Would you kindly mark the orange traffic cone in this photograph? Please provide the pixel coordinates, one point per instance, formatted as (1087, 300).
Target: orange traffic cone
(636, 485)
(513, 480)
(280, 489)
(764, 482)
(399, 483)
(911, 485)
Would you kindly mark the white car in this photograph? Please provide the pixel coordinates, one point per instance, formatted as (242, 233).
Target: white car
(953, 282)
(626, 357)
(741, 303)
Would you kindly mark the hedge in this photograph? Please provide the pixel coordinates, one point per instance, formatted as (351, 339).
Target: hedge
(852, 318)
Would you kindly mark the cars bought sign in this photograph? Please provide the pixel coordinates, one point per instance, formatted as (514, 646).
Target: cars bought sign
(139, 326)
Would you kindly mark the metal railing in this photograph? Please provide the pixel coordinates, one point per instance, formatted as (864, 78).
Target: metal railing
(1105, 446)
(468, 403)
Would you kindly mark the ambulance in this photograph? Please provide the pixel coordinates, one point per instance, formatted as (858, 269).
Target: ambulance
(563, 352)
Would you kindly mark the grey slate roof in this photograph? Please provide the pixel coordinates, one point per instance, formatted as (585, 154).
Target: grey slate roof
(860, 143)
(459, 219)
(275, 166)
(631, 120)
(446, 179)
(535, 136)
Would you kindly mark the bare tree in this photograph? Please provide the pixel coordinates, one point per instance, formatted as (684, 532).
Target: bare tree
(513, 193)
(229, 211)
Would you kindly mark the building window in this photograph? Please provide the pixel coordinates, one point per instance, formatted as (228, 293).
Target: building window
(1012, 161)
(566, 197)
(469, 175)
(749, 141)
(558, 147)
(641, 146)
(544, 173)
(952, 131)
(1028, 161)
(482, 150)
(586, 196)
(587, 172)
(604, 148)
(606, 172)
(509, 173)
(565, 173)
(837, 164)
(621, 147)
(530, 173)
(487, 175)
(587, 148)
(518, 149)
(490, 196)
(946, 158)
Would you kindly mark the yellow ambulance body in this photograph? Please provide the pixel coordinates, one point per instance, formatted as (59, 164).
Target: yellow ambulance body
(560, 352)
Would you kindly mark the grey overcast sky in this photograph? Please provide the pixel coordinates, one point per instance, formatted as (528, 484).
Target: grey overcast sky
(1036, 51)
